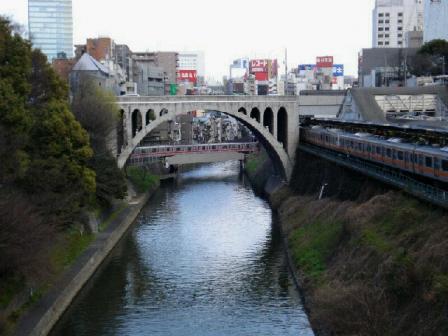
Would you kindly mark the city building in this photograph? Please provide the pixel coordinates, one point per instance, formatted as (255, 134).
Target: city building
(393, 19)
(378, 67)
(88, 68)
(436, 20)
(150, 79)
(50, 26)
(166, 60)
(193, 61)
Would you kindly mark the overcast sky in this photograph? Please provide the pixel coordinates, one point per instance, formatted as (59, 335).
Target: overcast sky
(227, 29)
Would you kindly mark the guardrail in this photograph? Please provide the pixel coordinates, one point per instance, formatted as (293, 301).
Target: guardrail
(390, 176)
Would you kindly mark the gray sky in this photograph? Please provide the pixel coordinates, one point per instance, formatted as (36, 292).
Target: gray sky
(227, 29)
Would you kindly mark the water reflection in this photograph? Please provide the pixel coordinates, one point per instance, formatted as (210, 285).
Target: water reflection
(203, 259)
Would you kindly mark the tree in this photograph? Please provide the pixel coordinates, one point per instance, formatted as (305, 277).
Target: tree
(96, 110)
(431, 59)
(44, 150)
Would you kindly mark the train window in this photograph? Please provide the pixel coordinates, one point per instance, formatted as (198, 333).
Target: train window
(400, 156)
(177, 148)
(203, 147)
(189, 149)
(388, 152)
(378, 150)
(369, 149)
(436, 163)
(326, 138)
(428, 161)
(154, 150)
(445, 165)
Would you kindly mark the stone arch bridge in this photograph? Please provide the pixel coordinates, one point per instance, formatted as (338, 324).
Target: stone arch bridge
(273, 119)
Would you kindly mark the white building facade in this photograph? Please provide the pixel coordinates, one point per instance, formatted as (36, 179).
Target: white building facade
(393, 19)
(192, 61)
(436, 20)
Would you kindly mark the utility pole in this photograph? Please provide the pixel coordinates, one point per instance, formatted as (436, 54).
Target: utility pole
(286, 71)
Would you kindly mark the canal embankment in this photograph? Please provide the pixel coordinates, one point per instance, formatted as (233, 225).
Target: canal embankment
(370, 260)
(43, 315)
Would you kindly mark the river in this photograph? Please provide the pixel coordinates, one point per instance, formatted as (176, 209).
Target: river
(203, 258)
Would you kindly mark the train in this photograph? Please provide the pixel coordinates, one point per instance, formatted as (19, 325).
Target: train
(420, 160)
(170, 150)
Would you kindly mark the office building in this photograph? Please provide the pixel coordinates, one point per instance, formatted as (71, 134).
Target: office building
(51, 27)
(436, 20)
(393, 19)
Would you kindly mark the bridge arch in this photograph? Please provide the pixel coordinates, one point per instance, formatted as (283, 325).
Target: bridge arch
(282, 127)
(242, 110)
(268, 120)
(150, 116)
(136, 122)
(255, 114)
(282, 154)
(163, 112)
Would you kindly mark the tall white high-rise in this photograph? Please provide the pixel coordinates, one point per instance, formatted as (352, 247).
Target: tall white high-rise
(51, 26)
(436, 20)
(393, 19)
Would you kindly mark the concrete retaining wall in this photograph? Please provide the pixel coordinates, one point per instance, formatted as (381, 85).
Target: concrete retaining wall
(45, 314)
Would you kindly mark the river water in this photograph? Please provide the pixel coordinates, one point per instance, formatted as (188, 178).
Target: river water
(204, 258)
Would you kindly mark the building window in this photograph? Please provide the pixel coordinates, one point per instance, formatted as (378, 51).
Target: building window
(380, 29)
(400, 14)
(380, 35)
(386, 29)
(400, 28)
(400, 43)
(400, 35)
(387, 14)
(387, 21)
(400, 21)
(380, 14)
(380, 43)
(380, 21)
(386, 35)
(386, 43)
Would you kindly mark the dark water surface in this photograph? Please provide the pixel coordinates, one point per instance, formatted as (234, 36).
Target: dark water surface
(203, 259)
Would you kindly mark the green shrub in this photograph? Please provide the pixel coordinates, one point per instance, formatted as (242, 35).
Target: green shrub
(141, 178)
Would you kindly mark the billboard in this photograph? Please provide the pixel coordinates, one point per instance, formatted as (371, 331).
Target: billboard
(324, 61)
(258, 65)
(187, 76)
(262, 76)
(307, 67)
(338, 70)
(240, 63)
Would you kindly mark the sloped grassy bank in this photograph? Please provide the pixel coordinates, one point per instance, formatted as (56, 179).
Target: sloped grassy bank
(372, 261)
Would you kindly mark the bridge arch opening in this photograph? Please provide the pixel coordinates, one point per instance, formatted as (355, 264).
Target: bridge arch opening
(242, 110)
(163, 112)
(255, 114)
(282, 127)
(150, 116)
(120, 131)
(268, 120)
(136, 122)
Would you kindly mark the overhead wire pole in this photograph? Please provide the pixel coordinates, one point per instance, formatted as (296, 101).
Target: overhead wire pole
(286, 71)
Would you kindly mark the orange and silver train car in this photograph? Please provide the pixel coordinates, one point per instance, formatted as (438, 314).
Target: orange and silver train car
(417, 159)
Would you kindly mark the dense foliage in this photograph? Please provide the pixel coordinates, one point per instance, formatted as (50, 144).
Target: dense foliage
(45, 180)
(96, 110)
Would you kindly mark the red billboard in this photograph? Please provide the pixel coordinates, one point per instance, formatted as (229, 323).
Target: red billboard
(261, 76)
(187, 76)
(258, 65)
(324, 61)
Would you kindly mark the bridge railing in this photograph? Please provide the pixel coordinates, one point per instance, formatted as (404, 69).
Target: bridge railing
(388, 175)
